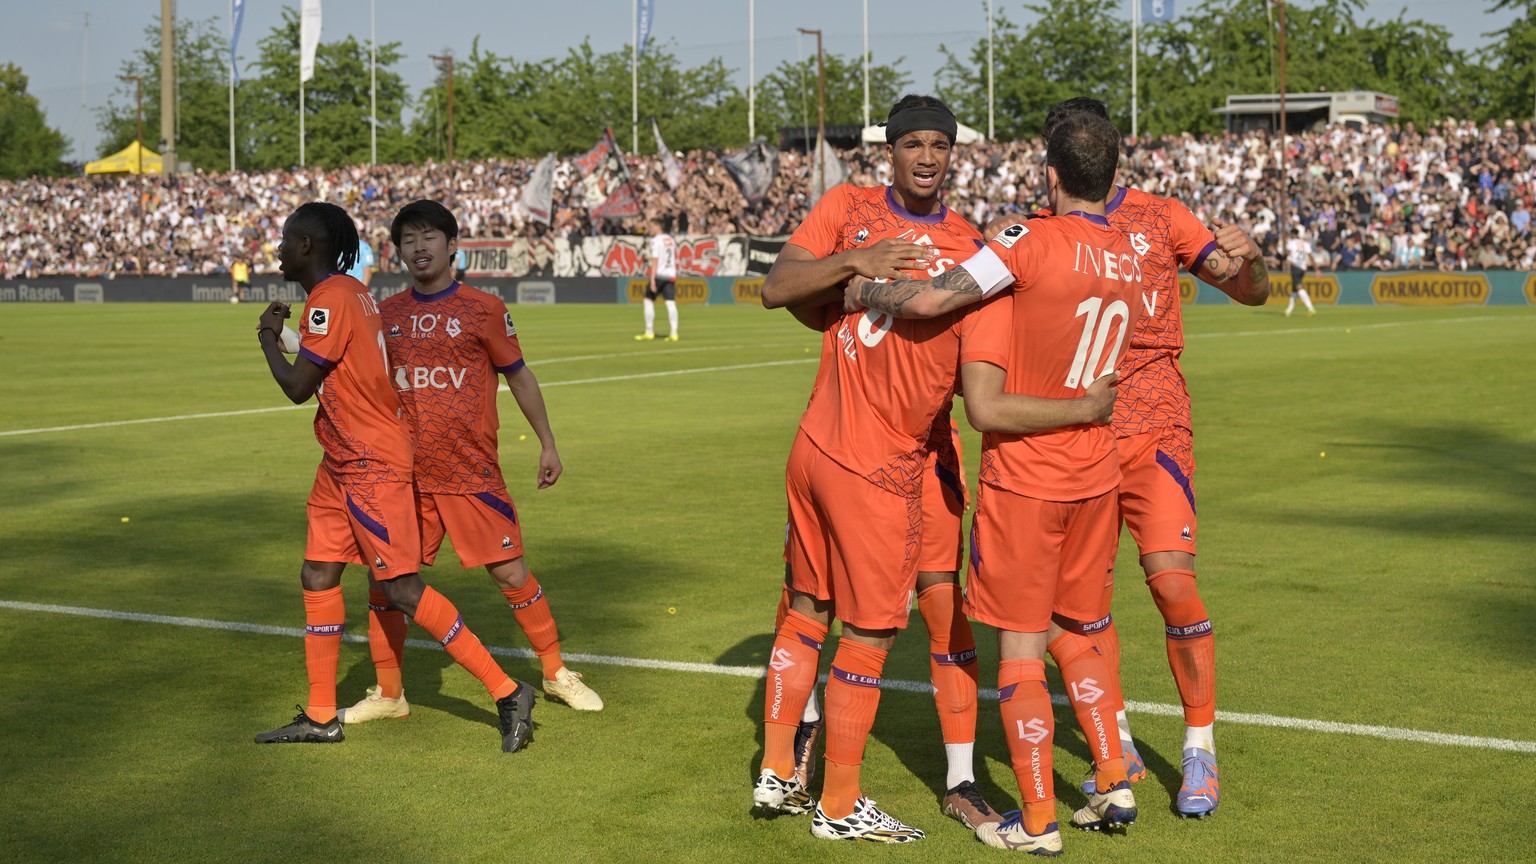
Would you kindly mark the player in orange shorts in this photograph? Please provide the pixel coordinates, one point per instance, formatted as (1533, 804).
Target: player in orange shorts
(857, 477)
(1045, 528)
(361, 510)
(1155, 442)
(449, 342)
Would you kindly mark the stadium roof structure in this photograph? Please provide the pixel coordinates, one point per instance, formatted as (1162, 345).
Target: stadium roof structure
(127, 161)
(1305, 110)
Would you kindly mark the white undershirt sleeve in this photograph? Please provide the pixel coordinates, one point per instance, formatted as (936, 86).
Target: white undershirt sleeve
(989, 271)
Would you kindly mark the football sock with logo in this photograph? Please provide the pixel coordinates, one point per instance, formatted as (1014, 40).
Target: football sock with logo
(531, 608)
(1191, 645)
(386, 642)
(853, 697)
(952, 666)
(440, 618)
(325, 617)
(791, 678)
(1030, 728)
(1083, 672)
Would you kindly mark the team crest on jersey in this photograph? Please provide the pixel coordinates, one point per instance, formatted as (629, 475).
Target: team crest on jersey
(453, 327)
(1140, 243)
(320, 321)
(1010, 235)
(511, 331)
(861, 236)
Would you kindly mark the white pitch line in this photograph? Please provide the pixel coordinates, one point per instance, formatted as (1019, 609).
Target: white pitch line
(1241, 718)
(502, 388)
(1339, 328)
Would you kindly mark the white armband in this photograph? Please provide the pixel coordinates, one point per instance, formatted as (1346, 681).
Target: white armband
(989, 271)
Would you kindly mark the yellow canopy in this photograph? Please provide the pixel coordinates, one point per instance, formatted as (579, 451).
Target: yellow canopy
(126, 161)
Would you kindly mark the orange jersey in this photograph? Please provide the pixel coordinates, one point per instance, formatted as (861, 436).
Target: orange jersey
(882, 380)
(448, 349)
(1066, 322)
(1166, 237)
(360, 424)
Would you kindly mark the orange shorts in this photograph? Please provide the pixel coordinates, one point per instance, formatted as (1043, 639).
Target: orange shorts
(1157, 493)
(1031, 558)
(944, 502)
(372, 523)
(483, 526)
(849, 541)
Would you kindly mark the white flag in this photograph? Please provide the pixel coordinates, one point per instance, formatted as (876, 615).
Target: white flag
(538, 195)
(309, 39)
(669, 163)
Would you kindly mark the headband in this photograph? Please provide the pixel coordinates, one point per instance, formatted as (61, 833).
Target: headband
(920, 118)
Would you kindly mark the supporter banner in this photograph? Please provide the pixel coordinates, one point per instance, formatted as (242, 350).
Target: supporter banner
(266, 289)
(697, 255)
(605, 182)
(753, 168)
(762, 252)
(1430, 289)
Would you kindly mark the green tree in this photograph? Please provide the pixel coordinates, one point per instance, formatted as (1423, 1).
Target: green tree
(336, 102)
(28, 145)
(786, 97)
(1508, 88)
(507, 108)
(202, 66)
(1071, 49)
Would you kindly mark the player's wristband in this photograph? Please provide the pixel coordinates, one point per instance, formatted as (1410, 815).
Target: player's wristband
(265, 329)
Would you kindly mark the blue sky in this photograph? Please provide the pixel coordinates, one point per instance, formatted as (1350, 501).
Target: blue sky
(73, 68)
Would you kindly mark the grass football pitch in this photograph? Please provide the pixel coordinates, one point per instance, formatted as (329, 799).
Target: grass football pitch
(1367, 501)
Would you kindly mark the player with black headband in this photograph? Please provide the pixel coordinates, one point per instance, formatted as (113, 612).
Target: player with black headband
(864, 476)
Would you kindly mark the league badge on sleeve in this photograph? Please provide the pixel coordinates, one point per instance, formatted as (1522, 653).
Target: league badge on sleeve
(511, 331)
(1010, 235)
(319, 321)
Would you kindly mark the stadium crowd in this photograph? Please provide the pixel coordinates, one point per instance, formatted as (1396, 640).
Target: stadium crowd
(1454, 196)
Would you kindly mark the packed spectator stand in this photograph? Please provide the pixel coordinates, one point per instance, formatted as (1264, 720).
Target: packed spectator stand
(1455, 196)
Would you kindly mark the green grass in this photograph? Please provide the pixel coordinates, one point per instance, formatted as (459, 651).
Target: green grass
(1390, 583)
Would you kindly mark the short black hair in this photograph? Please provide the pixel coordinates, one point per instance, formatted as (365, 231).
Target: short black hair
(1084, 148)
(425, 213)
(331, 225)
(1061, 109)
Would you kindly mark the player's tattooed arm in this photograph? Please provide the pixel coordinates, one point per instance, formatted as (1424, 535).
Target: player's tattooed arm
(916, 298)
(1236, 266)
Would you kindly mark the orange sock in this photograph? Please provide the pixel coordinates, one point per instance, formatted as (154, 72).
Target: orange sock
(853, 697)
(1191, 646)
(1107, 639)
(1030, 728)
(1086, 676)
(439, 617)
(531, 608)
(791, 678)
(386, 642)
(951, 661)
(325, 617)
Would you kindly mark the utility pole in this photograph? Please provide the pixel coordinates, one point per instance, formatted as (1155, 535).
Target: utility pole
(1285, 227)
(168, 105)
(445, 64)
(821, 110)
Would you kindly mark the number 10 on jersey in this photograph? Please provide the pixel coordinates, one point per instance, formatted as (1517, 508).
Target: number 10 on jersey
(1096, 329)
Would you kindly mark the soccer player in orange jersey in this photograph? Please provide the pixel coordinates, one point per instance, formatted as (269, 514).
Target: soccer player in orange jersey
(361, 509)
(857, 471)
(448, 342)
(1156, 445)
(1046, 523)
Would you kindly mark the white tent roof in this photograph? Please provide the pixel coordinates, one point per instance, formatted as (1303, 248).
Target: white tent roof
(963, 135)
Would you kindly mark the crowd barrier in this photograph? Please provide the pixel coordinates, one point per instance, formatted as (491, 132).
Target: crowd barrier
(1345, 288)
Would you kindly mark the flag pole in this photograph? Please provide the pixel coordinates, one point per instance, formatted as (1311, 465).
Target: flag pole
(634, 76)
(1135, 47)
(373, 84)
(751, 70)
(231, 86)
